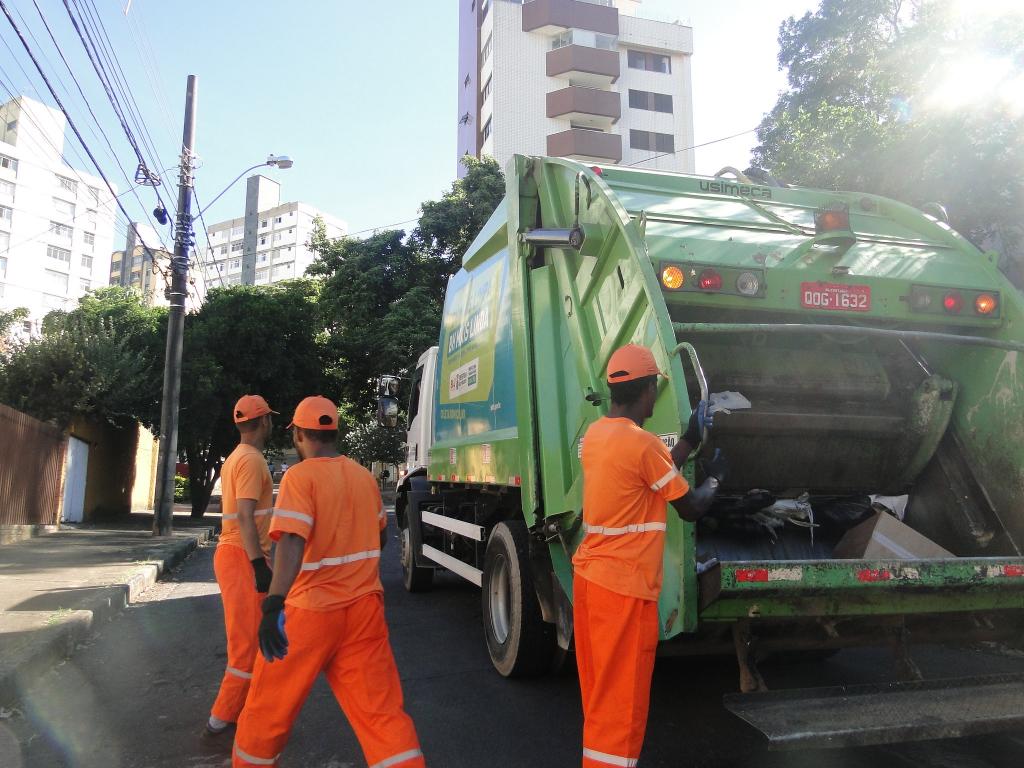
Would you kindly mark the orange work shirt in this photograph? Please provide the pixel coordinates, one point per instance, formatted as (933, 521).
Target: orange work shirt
(335, 505)
(628, 478)
(245, 475)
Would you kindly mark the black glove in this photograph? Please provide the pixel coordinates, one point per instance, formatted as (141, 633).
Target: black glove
(263, 574)
(273, 640)
(700, 419)
(716, 466)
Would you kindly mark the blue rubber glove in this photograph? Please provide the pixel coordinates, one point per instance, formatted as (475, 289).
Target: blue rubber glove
(701, 418)
(273, 640)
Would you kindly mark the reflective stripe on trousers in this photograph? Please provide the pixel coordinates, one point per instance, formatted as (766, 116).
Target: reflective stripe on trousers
(602, 757)
(253, 759)
(602, 530)
(257, 513)
(369, 554)
(399, 758)
(239, 673)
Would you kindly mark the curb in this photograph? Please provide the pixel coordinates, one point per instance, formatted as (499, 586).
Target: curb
(58, 643)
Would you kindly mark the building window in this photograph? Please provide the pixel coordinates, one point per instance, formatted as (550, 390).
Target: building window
(263, 223)
(223, 250)
(87, 262)
(649, 140)
(291, 231)
(486, 132)
(5, 213)
(277, 236)
(90, 218)
(655, 102)
(585, 38)
(69, 185)
(3, 266)
(485, 52)
(63, 207)
(263, 240)
(61, 231)
(236, 247)
(58, 254)
(84, 285)
(262, 276)
(236, 231)
(235, 264)
(7, 191)
(277, 220)
(56, 281)
(485, 94)
(652, 62)
(90, 241)
(262, 257)
(94, 193)
(9, 163)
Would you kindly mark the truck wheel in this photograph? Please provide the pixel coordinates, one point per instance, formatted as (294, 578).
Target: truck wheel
(519, 641)
(414, 577)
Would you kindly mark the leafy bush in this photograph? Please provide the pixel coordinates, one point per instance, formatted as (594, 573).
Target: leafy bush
(182, 491)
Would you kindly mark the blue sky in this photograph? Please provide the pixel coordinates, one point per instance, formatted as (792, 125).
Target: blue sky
(361, 94)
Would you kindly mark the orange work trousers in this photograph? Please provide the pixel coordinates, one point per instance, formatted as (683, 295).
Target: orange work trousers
(241, 622)
(350, 645)
(616, 638)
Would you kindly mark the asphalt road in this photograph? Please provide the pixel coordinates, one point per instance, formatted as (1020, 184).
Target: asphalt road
(138, 694)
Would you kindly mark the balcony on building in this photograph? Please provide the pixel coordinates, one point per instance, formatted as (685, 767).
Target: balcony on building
(549, 17)
(586, 145)
(583, 65)
(590, 107)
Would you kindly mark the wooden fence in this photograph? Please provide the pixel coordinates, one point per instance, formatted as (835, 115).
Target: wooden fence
(31, 469)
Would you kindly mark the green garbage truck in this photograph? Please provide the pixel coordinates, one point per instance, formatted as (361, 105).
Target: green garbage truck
(862, 360)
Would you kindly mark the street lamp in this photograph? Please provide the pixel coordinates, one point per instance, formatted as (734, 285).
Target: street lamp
(168, 454)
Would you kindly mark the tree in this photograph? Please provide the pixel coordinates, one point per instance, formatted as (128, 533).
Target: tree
(98, 361)
(447, 227)
(915, 101)
(264, 340)
(367, 442)
(9, 318)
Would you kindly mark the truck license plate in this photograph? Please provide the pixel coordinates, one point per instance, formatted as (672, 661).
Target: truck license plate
(845, 298)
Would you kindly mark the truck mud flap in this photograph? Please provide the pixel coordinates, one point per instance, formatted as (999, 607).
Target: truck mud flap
(860, 715)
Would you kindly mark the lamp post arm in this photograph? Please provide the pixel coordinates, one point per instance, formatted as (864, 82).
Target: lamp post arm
(206, 207)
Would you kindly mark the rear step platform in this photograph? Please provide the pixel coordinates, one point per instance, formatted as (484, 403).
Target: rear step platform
(860, 715)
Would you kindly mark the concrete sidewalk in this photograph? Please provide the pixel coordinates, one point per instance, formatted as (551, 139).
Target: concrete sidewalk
(57, 589)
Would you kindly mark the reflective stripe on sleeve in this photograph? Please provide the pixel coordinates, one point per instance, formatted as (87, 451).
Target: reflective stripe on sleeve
(302, 517)
(239, 673)
(399, 758)
(604, 757)
(257, 513)
(602, 530)
(666, 479)
(369, 554)
(253, 759)
(382, 514)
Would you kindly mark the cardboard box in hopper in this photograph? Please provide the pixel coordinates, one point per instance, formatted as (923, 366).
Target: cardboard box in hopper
(883, 537)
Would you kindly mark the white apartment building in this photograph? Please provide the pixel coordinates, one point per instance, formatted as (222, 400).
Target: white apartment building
(586, 79)
(266, 245)
(56, 222)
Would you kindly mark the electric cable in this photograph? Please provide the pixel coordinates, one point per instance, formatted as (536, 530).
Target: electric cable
(695, 146)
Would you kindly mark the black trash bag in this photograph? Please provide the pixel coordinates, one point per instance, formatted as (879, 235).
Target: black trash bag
(840, 514)
(732, 514)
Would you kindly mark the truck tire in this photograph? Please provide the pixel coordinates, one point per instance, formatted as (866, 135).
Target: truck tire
(415, 578)
(520, 642)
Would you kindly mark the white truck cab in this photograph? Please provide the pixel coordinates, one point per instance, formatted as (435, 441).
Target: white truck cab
(421, 412)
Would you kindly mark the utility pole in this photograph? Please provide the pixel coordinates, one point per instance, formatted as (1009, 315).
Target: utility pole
(168, 456)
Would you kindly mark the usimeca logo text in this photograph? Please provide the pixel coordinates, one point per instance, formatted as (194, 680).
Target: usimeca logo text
(736, 190)
(469, 330)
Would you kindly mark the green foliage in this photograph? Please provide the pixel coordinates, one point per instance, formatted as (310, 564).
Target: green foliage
(182, 491)
(262, 340)
(102, 360)
(9, 317)
(365, 441)
(878, 102)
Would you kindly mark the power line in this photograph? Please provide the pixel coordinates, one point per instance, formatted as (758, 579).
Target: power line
(383, 226)
(695, 146)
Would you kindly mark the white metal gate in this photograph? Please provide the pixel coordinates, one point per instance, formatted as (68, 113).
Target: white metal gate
(76, 468)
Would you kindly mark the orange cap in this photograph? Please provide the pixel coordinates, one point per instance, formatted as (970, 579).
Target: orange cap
(631, 362)
(251, 407)
(316, 412)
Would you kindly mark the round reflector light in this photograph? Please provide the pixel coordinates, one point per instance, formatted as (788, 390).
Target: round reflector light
(748, 284)
(710, 280)
(953, 302)
(672, 278)
(985, 304)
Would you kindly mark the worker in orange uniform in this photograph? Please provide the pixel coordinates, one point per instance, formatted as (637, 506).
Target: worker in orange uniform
(629, 478)
(240, 564)
(325, 610)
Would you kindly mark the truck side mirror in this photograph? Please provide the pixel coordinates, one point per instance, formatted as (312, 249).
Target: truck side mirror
(387, 412)
(388, 386)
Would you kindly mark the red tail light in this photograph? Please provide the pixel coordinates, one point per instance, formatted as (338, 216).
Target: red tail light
(710, 280)
(953, 302)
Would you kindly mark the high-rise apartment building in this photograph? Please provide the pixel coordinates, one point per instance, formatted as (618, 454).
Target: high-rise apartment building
(268, 243)
(586, 79)
(56, 222)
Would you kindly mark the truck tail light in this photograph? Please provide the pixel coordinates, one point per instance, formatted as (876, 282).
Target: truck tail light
(748, 284)
(832, 220)
(953, 302)
(985, 304)
(710, 280)
(672, 278)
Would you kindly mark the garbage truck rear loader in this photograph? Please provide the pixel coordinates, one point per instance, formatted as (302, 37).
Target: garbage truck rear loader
(859, 351)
